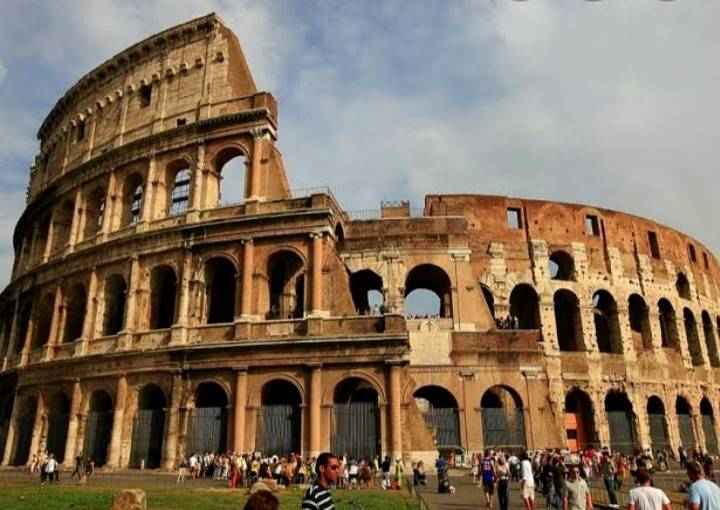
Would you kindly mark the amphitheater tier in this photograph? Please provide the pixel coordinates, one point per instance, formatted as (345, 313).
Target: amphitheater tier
(149, 316)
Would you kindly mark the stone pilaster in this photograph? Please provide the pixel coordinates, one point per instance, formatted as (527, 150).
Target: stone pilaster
(113, 460)
(239, 414)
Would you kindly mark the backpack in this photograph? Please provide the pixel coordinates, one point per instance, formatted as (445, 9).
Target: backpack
(488, 471)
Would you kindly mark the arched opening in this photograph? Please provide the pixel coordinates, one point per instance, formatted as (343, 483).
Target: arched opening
(94, 212)
(440, 411)
(178, 178)
(580, 432)
(709, 332)
(621, 421)
(98, 427)
(503, 420)
(132, 199)
(231, 166)
(428, 292)
(62, 221)
(23, 430)
(207, 431)
(708, 424)
(339, 235)
(58, 421)
(489, 299)
(40, 242)
(693, 340)
(668, 324)
(148, 427)
(684, 419)
(279, 419)
(75, 312)
(658, 424)
(356, 419)
(286, 282)
(607, 326)
(115, 296)
(525, 305)
(163, 285)
(682, 285)
(220, 276)
(42, 321)
(23, 323)
(7, 399)
(365, 285)
(568, 323)
(639, 322)
(561, 266)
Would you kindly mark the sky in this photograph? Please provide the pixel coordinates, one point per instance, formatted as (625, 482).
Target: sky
(613, 103)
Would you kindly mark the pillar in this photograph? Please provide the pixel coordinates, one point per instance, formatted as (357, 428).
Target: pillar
(196, 201)
(118, 416)
(7, 454)
(12, 340)
(151, 191)
(72, 425)
(110, 204)
(255, 166)
(28, 337)
(395, 412)
(55, 336)
(246, 284)
(172, 429)
(239, 417)
(315, 408)
(76, 221)
(88, 330)
(133, 289)
(316, 273)
(37, 428)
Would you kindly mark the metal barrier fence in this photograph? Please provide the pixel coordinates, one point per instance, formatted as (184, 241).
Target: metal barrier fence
(600, 496)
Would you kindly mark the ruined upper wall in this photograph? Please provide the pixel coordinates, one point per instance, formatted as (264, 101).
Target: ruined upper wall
(189, 72)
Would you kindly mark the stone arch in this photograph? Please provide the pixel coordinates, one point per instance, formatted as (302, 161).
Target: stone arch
(95, 201)
(230, 163)
(668, 324)
(339, 234)
(220, 289)
(503, 418)
(657, 420)
(580, 429)
(115, 298)
(693, 340)
(356, 418)
(607, 325)
(710, 339)
(208, 424)
(369, 379)
(440, 410)
(683, 413)
(568, 321)
(621, 422)
(42, 319)
(58, 420)
(25, 314)
(41, 236)
(279, 417)
(525, 305)
(255, 395)
(708, 424)
(133, 198)
(148, 427)
(24, 427)
(639, 322)
(98, 427)
(362, 284)
(434, 279)
(682, 286)
(76, 307)
(163, 296)
(561, 266)
(62, 218)
(178, 186)
(285, 271)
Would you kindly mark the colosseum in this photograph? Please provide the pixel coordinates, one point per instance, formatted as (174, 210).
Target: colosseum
(149, 316)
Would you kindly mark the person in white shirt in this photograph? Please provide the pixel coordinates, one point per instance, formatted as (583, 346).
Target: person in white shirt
(646, 497)
(50, 469)
(527, 479)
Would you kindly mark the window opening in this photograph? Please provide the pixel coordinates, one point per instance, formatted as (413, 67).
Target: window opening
(514, 219)
(654, 246)
(592, 225)
(137, 203)
(145, 96)
(691, 249)
(180, 192)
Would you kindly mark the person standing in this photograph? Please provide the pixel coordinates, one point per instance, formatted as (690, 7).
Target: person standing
(386, 473)
(503, 483)
(399, 472)
(576, 494)
(610, 479)
(702, 493)
(318, 496)
(487, 474)
(646, 497)
(527, 479)
(50, 469)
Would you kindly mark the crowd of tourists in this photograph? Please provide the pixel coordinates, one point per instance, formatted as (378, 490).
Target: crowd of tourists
(44, 464)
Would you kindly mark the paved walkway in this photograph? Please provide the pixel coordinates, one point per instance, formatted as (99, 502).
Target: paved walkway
(467, 496)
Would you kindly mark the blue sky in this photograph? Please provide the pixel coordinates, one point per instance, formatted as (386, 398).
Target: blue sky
(613, 103)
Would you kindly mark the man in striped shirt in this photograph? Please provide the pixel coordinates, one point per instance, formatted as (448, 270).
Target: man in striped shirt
(318, 495)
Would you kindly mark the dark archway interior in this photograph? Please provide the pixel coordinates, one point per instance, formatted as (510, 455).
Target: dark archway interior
(639, 322)
(62, 221)
(580, 430)
(287, 285)
(710, 340)
(668, 324)
(151, 397)
(436, 397)
(355, 389)
(220, 281)
(501, 397)
(561, 266)
(431, 278)
(280, 392)
(682, 285)
(682, 406)
(76, 305)
(617, 401)
(100, 401)
(115, 296)
(706, 407)
(163, 284)
(489, 299)
(95, 212)
(655, 406)
(693, 340)
(361, 284)
(607, 327)
(133, 198)
(210, 395)
(23, 323)
(43, 320)
(524, 304)
(568, 321)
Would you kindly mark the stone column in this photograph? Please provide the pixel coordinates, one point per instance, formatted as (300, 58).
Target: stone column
(110, 205)
(76, 221)
(395, 411)
(196, 202)
(37, 428)
(151, 190)
(133, 290)
(47, 249)
(113, 460)
(170, 449)
(315, 408)
(9, 442)
(28, 338)
(72, 425)
(247, 270)
(240, 402)
(55, 336)
(316, 274)
(255, 165)
(88, 329)
(12, 340)
(179, 329)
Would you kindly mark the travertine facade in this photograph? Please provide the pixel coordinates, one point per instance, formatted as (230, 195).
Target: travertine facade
(147, 317)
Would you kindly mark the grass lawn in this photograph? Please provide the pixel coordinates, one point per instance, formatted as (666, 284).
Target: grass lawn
(32, 496)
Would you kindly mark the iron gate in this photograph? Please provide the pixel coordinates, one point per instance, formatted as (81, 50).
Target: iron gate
(503, 428)
(57, 434)
(207, 431)
(24, 438)
(356, 430)
(622, 433)
(658, 432)
(147, 438)
(278, 430)
(687, 435)
(711, 443)
(98, 429)
(445, 424)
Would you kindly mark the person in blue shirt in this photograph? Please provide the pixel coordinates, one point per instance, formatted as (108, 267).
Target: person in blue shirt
(702, 494)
